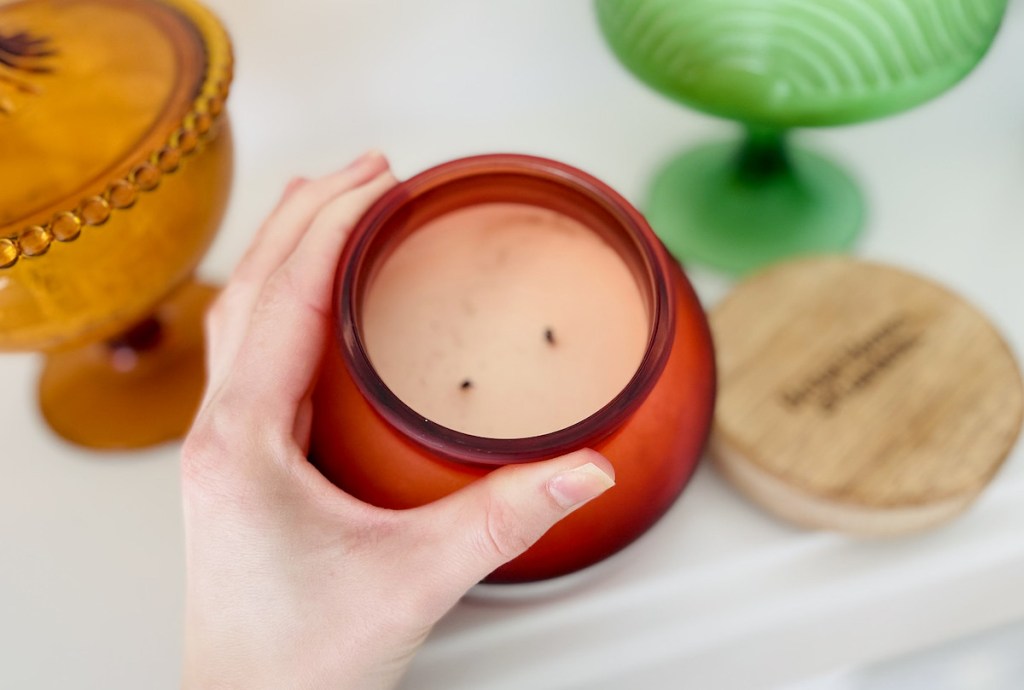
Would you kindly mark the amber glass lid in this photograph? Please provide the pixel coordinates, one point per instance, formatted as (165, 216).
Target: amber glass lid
(92, 92)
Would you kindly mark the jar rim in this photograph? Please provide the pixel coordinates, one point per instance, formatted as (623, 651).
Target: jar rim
(482, 450)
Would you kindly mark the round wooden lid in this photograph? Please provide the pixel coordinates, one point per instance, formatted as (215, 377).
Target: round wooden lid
(92, 89)
(860, 397)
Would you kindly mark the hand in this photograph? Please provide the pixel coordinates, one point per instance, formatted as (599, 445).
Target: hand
(291, 583)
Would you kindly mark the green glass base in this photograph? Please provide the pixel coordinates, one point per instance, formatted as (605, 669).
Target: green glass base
(706, 208)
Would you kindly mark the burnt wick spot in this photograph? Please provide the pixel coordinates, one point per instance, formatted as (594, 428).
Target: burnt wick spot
(549, 335)
(466, 384)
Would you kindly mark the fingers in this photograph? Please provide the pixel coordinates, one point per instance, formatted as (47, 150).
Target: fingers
(228, 319)
(498, 517)
(281, 352)
(299, 205)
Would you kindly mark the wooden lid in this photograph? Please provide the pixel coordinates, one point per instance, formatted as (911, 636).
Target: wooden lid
(97, 93)
(860, 397)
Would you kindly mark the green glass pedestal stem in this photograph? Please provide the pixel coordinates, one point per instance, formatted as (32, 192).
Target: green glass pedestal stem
(739, 207)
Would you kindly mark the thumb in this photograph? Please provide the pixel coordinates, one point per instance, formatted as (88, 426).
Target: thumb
(498, 517)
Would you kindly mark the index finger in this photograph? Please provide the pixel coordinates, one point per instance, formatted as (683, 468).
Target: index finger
(278, 360)
(276, 239)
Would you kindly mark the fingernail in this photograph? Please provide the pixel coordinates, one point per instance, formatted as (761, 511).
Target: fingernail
(575, 487)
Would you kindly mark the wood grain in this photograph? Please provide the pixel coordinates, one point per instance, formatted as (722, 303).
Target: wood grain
(860, 397)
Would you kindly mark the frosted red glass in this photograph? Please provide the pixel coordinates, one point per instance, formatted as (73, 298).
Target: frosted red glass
(372, 445)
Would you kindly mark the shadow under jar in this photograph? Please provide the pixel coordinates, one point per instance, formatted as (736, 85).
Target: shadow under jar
(388, 449)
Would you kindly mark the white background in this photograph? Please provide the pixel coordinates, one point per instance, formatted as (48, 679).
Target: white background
(718, 595)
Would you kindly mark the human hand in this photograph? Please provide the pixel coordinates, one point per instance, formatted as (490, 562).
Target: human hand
(292, 583)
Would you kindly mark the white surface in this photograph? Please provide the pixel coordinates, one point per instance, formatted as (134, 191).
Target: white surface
(716, 596)
(991, 660)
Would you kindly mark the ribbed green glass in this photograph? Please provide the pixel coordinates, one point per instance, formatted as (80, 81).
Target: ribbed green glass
(775, 65)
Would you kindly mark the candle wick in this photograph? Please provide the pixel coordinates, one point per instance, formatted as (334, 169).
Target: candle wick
(549, 335)
(466, 384)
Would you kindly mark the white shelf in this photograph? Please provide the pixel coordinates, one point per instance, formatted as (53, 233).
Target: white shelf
(717, 595)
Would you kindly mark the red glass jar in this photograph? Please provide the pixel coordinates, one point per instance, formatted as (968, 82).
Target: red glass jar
(376, 448)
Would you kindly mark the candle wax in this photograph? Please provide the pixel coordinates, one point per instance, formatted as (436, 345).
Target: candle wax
(505, 320)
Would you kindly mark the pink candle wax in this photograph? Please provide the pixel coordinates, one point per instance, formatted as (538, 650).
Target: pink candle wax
(505, 320)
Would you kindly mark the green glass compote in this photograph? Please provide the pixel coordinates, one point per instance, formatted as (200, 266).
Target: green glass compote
(774, 65)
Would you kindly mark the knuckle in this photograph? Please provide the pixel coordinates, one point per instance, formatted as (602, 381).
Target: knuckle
(201, 447)
(228, 302)
(338, 213)
(281, 286)
(207, 452)
(250, 268)
(372, 529)
(235, 292)
(283, 291)
(504, 534)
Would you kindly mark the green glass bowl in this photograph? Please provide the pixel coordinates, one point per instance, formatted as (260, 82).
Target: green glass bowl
(774, 65)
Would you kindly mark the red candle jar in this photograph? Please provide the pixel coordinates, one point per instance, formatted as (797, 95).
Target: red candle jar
(375, 447)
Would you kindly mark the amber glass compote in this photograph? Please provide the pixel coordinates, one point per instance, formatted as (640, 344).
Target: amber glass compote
(114, 175)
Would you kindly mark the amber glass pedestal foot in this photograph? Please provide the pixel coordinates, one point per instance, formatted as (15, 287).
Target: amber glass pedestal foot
(136, 390)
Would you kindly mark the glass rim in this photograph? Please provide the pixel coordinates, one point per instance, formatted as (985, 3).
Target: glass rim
(482, 450)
